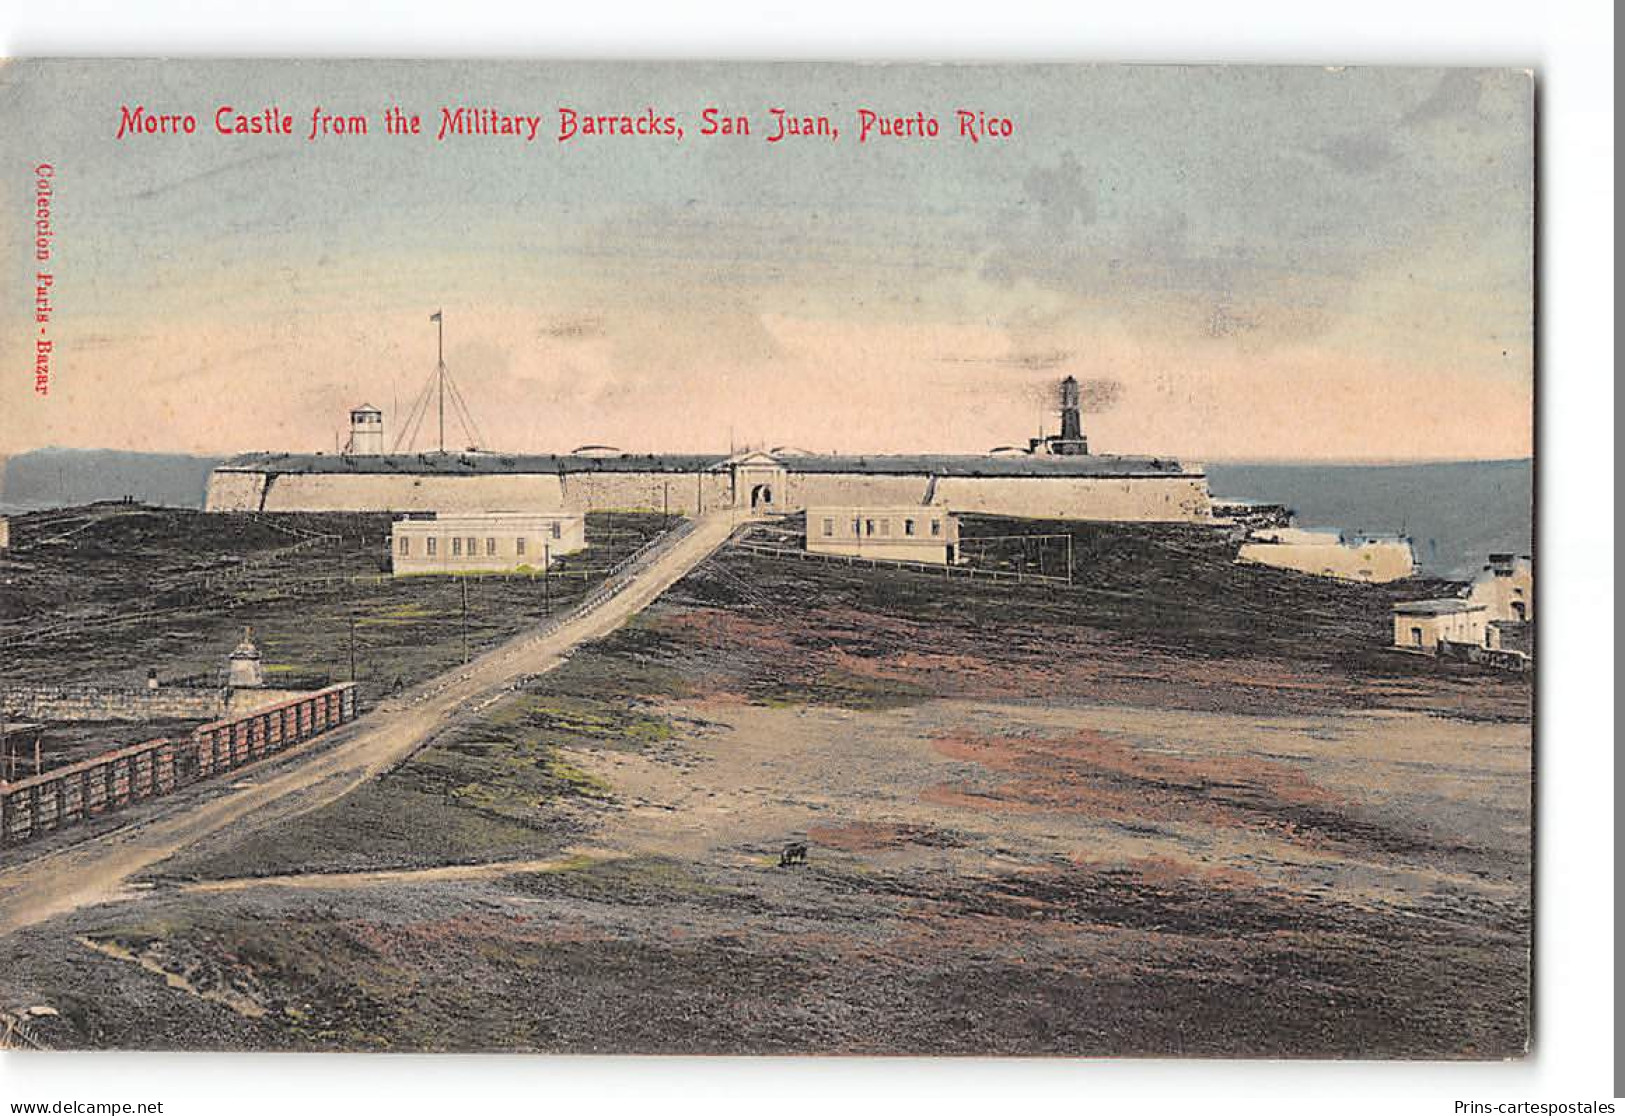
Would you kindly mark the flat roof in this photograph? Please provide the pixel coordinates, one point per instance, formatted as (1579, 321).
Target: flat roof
(474, 464)
(468, 464)
(878, 509)
(429, 519)
(984, 465)
(1439, 606)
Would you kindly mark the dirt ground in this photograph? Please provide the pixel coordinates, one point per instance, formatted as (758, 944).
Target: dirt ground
(1034, 826)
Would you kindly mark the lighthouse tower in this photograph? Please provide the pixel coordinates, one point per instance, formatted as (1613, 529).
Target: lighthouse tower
(366, 430)
(1070, 442)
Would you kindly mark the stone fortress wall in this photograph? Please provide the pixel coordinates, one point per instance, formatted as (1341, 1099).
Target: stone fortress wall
(1170, 497)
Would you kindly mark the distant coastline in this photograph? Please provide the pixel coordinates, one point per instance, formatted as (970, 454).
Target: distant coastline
(1457, 512)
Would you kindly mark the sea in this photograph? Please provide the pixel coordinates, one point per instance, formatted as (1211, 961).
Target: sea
(1456, 513)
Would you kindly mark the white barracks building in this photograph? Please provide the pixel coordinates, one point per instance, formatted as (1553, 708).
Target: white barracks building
(908, 534)
(483, 542)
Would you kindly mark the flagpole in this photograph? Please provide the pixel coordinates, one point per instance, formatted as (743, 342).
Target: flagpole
(440, 370)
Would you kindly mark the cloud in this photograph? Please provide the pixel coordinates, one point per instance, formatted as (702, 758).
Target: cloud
(1360, 153)
(1457, 95)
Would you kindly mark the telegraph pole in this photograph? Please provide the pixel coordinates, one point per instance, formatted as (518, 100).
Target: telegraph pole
(547, 584)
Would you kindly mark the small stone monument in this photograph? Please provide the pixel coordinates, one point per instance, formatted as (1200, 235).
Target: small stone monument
(244, 669)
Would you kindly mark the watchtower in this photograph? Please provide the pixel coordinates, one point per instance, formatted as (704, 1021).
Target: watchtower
(366, 430)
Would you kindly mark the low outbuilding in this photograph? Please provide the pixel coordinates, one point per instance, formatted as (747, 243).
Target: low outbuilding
(484, 542)
(1424, 625)
(907, 533)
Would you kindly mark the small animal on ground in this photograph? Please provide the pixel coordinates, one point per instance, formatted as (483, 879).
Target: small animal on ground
(794, 853)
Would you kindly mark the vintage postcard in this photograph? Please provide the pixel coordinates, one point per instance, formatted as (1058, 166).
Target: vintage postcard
(745, 558)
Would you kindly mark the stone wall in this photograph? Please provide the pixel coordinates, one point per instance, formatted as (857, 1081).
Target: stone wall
(1175, 498)
(393, 492)
(106, 703)
(1171, 498)
(234, 491)
(804, 490)
(687, 493)
(399, 493)
(1376, 561)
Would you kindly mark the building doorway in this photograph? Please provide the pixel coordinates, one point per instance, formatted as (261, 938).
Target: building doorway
(761, 497)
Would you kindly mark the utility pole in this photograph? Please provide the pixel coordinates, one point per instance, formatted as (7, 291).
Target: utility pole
(547, 582)
(464, 580)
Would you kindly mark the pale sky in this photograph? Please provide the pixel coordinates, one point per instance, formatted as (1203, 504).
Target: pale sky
(1242, 263)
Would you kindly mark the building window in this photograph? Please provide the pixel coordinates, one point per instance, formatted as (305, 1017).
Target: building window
(490, 548)
(456, 546)
(857, 527)
(1416, 637)
(908, 526)
(430, 544)
(868, 527)
(936, 527)
(473, 547)
(519, 545)
(406, 546)
(829, 528)
(555, 529)
(885, 527)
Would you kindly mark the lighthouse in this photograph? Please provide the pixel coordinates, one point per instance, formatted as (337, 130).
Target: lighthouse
(1070, 442)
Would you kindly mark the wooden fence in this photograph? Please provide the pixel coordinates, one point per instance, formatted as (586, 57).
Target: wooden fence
(112, 780)
(230, 743)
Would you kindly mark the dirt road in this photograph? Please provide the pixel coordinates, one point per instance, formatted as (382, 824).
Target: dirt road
(96, 870)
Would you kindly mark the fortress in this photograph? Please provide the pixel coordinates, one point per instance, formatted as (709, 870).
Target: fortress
(1054, 477)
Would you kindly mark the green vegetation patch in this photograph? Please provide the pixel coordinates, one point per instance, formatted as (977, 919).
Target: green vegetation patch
(485, 790)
